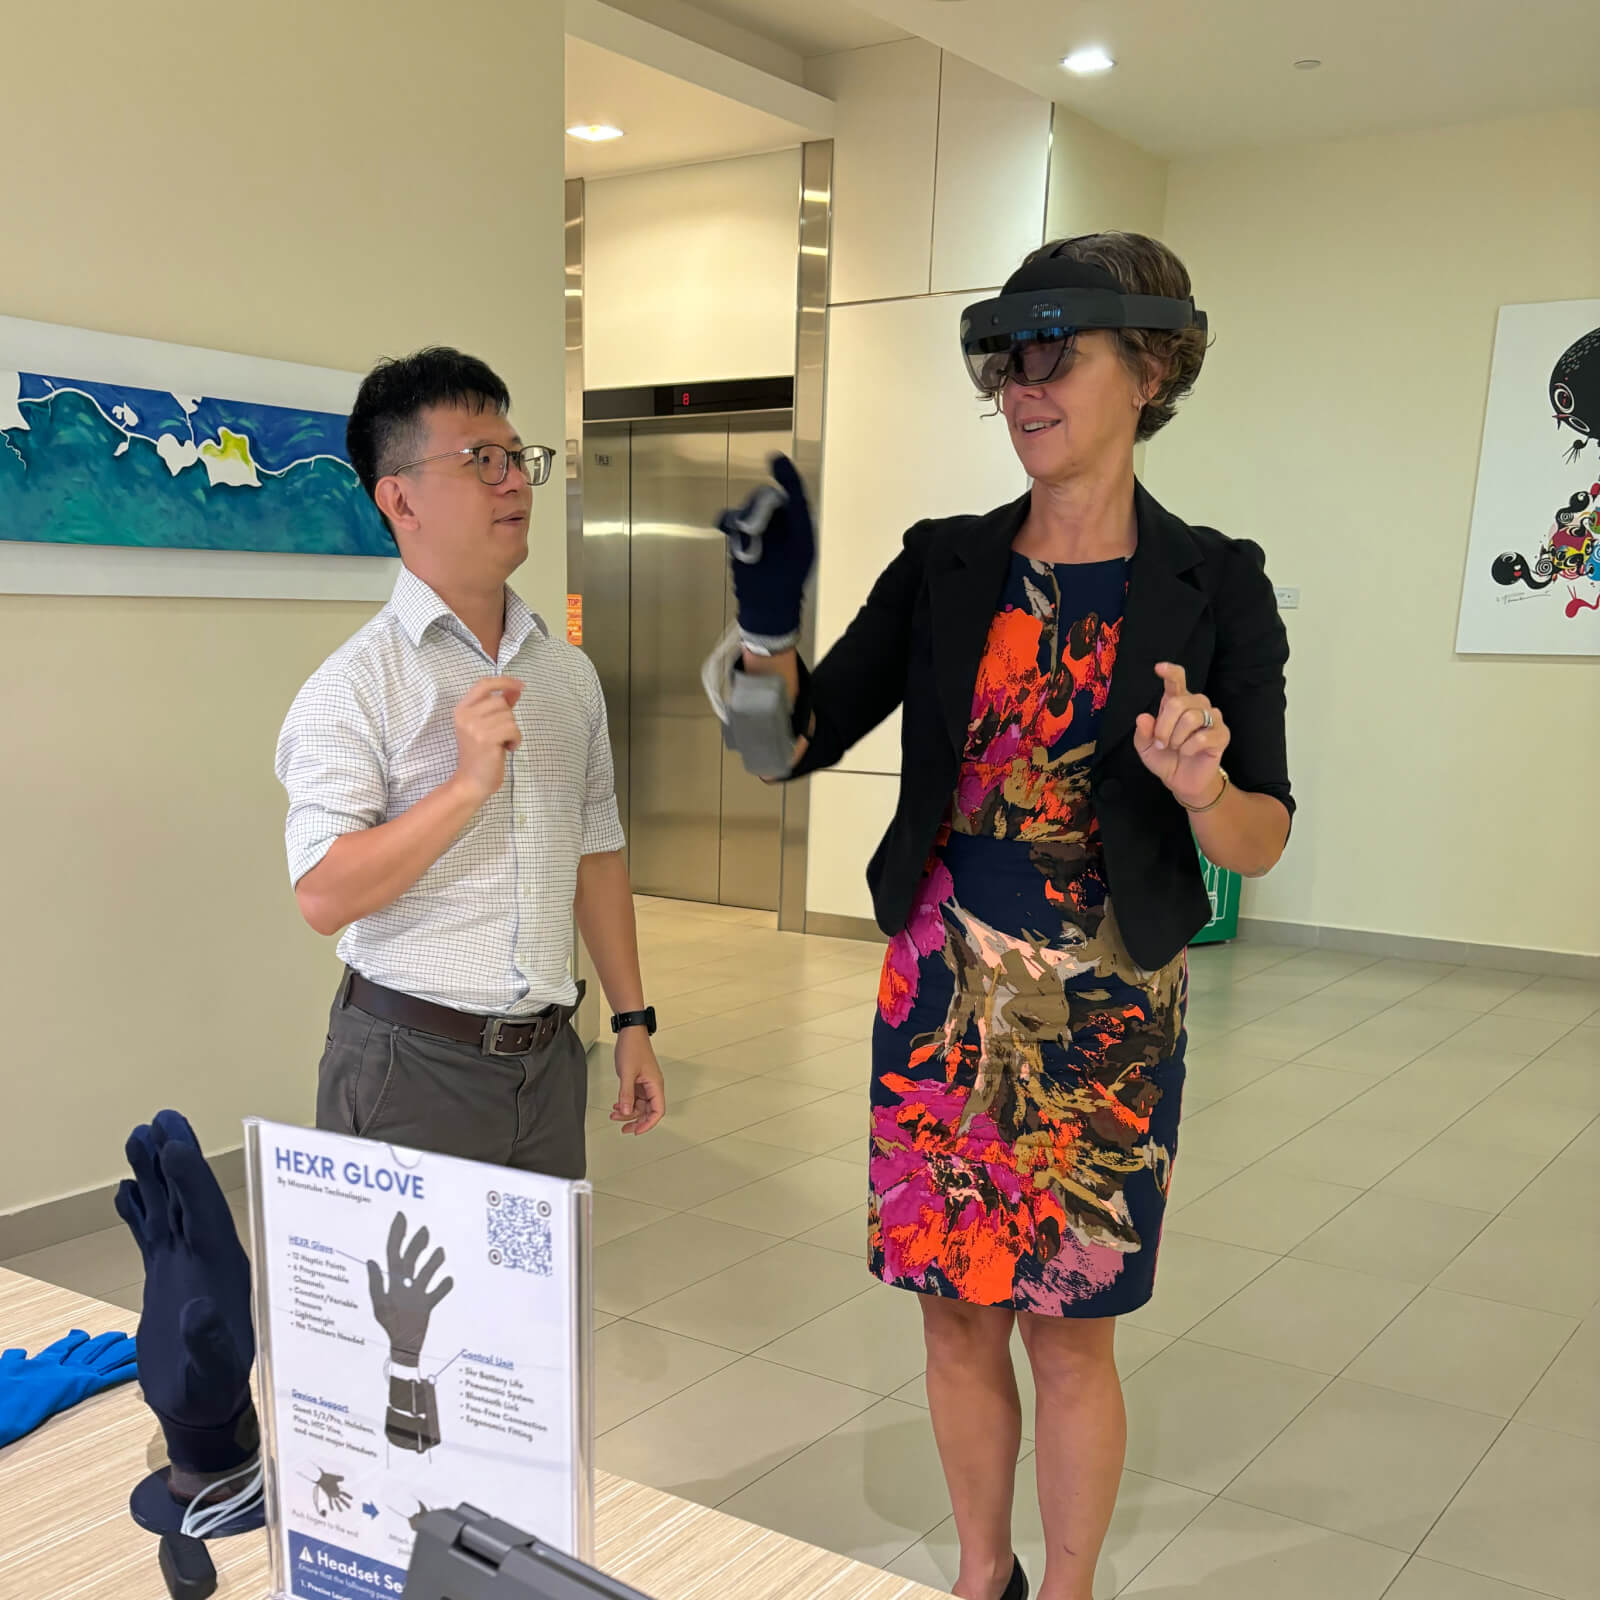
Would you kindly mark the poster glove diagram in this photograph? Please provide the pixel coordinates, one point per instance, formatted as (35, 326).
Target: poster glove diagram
(403, 1306)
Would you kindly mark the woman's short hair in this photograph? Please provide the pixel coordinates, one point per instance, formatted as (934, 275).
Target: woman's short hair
(1143, 265)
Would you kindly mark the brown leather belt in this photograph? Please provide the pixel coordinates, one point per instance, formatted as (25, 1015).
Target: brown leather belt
(495, 1036)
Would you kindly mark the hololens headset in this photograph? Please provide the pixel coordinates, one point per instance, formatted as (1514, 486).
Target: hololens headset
(1027, 332)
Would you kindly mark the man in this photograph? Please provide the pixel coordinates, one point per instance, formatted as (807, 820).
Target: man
(451, 804)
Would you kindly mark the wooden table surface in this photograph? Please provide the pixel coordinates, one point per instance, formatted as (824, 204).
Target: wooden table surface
(65, 1532)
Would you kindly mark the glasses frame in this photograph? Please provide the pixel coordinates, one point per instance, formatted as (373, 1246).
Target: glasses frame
(542, 452)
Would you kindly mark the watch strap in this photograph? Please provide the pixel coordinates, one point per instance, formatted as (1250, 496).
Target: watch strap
(645, 1019)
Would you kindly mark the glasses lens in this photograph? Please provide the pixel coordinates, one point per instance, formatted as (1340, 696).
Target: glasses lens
(493, 461)
(1039, 357)
(988, 360)
(536, 463)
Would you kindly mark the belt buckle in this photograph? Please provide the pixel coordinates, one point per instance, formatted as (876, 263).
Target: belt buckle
(491, 1035)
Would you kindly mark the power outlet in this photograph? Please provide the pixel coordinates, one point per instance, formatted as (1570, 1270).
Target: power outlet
(1288, 599)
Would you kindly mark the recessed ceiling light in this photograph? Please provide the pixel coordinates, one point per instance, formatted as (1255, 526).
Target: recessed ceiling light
(1307, 64)
(1088, 61)
(594, 132)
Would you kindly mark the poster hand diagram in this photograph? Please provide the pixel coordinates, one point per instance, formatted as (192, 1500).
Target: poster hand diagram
(328, 1493)
(403, 1306)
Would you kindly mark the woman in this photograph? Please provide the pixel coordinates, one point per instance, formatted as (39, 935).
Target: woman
(1072, 669)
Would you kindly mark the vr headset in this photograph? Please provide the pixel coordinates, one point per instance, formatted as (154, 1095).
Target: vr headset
(1028, 332)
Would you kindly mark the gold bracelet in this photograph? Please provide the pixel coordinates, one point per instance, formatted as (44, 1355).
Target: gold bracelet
(1200, 811)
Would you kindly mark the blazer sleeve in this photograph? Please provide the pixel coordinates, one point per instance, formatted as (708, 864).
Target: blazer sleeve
(1246, 679)
(863, 677)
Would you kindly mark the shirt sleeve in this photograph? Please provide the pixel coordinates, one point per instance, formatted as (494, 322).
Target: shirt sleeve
(330, 760)
(602, 827)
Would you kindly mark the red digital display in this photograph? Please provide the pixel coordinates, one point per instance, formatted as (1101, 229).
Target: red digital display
(686, 397)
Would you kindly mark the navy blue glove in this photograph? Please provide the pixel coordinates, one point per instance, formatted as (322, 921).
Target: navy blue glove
(196, 1342)
(33, 1389)
(773, 547)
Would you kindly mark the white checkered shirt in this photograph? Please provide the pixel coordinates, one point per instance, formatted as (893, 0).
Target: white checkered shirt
(488, 927)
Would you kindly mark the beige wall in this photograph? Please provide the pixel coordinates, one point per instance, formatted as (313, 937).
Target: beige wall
(328, 188)
(1098, 181)
(689, 273)
(1352, 289)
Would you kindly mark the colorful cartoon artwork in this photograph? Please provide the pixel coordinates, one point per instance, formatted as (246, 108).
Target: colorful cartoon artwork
(1547, 602)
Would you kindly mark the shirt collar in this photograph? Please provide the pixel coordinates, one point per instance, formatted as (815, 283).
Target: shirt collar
(418, 608)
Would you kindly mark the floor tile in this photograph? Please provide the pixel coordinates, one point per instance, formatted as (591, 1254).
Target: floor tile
(658, 1260)
(759, 1299)
(1389, 981)
(1193, 1176)
(1394, 1236)
(638, 1367)
(695, 1176)
(1193, 1277)
(819, 1126)
(731, 1110)
(1430, 1580)
(1463, 1351)
(1137, 1347)
(769, 1054)
(1552, 1267)
(847, 1234)
(92, 1264)
(714, 1438)
(1453, 1171)
(1310, 1091)
(1198, 1415)
(1528, 1032)
(1561, 1076)
(1149, 1516)
(1264, 1210)
(1526, 1515)
(1389, 1040)
(1567, 1397)
(873, 1341)
(1340, 1153)
(1326, 966)
(800, 1197)
(836, 1065)
(1509, 1120)
(614, 1216)
(1553, 1000)
(690, 1039)
(1368, 1462)
(1475, 989)
(1302, 1026)
(868, 1490)
(130, 1297)
(1234, 1552)
(1306, 1315)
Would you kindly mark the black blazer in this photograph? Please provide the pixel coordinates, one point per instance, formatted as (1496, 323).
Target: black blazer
(1195, 597)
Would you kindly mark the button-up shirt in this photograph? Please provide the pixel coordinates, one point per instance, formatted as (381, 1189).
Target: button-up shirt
(488, 927)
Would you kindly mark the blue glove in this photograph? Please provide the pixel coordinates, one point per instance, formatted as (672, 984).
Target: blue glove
(196, 1342)
(770, 588)
(33, 1389)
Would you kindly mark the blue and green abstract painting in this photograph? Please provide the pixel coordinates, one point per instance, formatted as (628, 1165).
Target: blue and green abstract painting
(93, 463)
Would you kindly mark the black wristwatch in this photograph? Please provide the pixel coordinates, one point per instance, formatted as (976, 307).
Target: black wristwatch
(645, 1019)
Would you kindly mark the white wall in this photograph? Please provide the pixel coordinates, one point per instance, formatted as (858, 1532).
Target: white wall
(939, 183)
(690, 272)
(1352, 289)
(277, 191)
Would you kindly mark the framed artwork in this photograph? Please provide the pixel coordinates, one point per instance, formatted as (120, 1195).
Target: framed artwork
(1532, 584)
(130, 466)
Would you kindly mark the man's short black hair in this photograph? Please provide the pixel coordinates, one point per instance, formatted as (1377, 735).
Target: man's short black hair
(385, 426)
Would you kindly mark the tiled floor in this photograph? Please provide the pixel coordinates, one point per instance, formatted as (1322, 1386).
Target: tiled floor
(1372, 1364)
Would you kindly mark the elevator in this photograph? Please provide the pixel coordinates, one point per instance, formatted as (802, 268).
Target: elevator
(656, 599)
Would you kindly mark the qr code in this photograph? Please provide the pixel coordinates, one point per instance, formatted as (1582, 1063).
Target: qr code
(519, 1234)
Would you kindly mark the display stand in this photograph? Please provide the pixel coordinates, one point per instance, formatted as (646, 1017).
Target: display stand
(425, 1334)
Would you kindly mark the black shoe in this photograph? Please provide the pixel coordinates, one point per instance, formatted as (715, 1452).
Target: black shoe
(1017, 1588)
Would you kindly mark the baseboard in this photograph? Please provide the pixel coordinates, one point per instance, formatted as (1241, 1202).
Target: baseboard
(1409, 947)
(37, 1227)
(829, 926)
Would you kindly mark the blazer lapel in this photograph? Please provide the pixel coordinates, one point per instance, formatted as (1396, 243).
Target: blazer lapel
(1160, 613)
(964, 587)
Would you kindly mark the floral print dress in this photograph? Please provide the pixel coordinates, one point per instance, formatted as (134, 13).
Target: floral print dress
(1026, 1072)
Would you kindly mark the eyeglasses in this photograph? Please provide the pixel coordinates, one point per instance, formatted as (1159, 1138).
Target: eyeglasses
(494, 462)
(1033, 357)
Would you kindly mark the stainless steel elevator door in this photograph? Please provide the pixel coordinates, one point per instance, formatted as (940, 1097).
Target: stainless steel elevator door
(606, 562)
(752, 811)
(679, 484)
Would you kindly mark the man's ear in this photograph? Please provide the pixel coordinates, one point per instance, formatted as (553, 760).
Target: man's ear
(390, 496)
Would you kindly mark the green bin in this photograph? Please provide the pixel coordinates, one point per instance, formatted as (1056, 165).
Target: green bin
(1223, 887)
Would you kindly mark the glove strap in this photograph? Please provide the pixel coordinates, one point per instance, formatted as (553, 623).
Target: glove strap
(412, 1421)
(769, 644)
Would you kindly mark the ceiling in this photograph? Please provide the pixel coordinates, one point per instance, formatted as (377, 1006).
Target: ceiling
(667, 121)
(1194, 78)
(808, 27)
